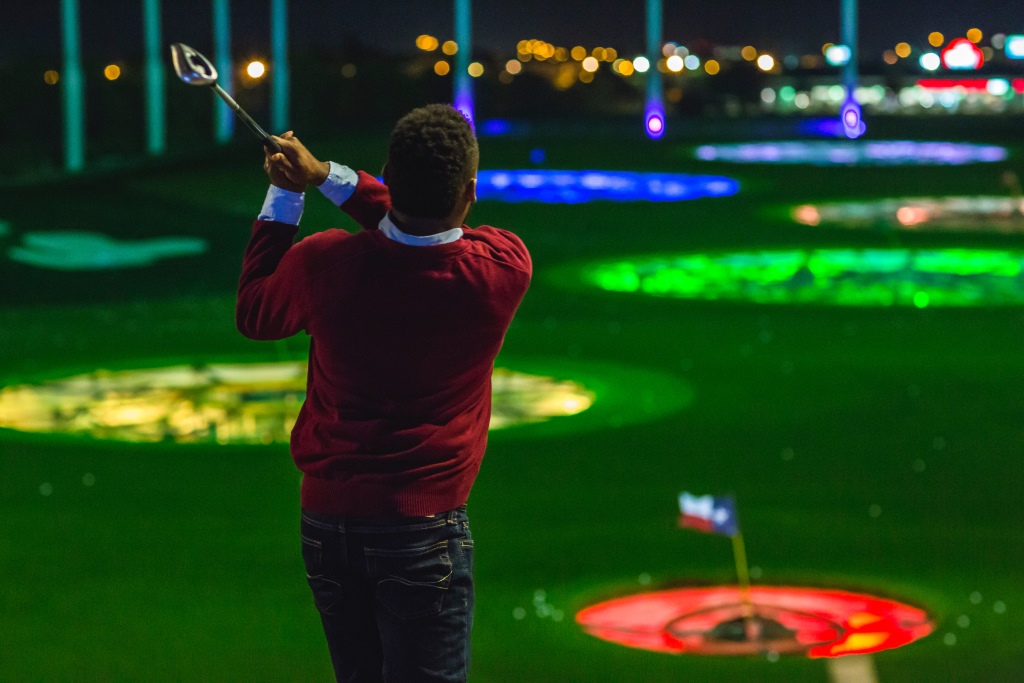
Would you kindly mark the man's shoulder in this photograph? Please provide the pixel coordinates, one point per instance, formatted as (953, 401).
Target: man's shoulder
(499, 245)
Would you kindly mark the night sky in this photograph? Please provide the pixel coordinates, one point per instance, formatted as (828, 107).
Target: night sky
(781, 26)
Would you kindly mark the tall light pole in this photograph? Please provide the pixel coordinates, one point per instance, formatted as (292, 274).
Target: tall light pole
(223, 117)
(463, 83)
(850, 114)
(279, 76)
(654, 110)
(156, 130)
(74, 90)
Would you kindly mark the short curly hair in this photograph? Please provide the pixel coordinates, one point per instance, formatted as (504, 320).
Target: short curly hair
(432, 155)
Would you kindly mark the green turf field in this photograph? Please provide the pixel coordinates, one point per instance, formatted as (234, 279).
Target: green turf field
(181, 563)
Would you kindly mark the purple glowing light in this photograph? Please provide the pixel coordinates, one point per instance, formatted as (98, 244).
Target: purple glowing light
(654, 120)
(853, 153)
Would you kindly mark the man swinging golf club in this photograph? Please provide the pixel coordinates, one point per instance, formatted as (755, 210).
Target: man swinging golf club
(406, 318)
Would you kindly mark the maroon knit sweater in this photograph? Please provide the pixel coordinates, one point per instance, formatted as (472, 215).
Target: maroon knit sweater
(398, 396)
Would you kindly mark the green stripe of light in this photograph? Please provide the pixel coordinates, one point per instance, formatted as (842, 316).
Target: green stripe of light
(74, 89)
(156, 133)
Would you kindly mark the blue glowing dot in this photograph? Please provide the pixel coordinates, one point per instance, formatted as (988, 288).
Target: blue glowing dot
(537, 155)
(575, 187)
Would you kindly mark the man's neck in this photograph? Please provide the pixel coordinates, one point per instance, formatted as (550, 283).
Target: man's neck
(421, 227)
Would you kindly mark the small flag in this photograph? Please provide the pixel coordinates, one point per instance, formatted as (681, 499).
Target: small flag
(710, 514)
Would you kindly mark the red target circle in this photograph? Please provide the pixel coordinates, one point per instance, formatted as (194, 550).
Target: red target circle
(812, 622)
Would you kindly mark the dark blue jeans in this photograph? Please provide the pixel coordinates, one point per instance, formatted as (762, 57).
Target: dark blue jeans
(395, 595)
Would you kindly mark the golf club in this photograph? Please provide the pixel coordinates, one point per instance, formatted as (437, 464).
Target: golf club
(195, 69)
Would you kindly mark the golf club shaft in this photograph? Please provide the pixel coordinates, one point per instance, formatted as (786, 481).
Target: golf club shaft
(268, 142)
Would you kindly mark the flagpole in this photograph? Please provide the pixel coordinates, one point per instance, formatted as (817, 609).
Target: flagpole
(739, 552)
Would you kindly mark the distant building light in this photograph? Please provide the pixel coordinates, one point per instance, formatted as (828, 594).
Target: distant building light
(256, 69)
(692, 62)
(641, 64)
(426, 43)
(513, 66)
(962, 54)
(579, 53)
(998, 40)
(974, 35)
(902, 50)
(675, 63)
(112, 72)
(997, 87)
(712, 67)
(349, 70)
(838, 55)
(768, 96)
(51, 77)
(476, 69)
(449, 47)
(929, 61)
(1014, 47)
(668, 49)
(765, 62)
(590, 64)
(936, 39)
(749, 53)
(442, 68)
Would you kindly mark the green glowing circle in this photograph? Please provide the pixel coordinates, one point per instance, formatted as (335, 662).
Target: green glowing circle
(832, 277)
(257, 403)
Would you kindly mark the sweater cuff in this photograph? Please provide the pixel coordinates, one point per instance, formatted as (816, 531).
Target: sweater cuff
(340, 184)
(282, 206)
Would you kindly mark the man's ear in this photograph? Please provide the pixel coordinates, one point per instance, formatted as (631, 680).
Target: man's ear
(470, 192)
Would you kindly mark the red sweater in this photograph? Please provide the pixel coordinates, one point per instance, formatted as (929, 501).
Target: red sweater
(398, 396)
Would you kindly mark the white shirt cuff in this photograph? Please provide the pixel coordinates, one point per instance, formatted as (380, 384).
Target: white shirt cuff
(283, 206)
(340, 184)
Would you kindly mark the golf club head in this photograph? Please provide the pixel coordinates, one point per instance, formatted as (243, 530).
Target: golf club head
(192, 67)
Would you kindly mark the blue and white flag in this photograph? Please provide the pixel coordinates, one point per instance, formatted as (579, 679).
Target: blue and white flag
(710, 514)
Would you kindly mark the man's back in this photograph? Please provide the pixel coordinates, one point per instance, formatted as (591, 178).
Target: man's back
(403, 343)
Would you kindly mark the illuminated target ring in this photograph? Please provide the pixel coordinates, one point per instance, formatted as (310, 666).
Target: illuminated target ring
(575, 187)
(853, 152)
(810, 622)
(952, 214)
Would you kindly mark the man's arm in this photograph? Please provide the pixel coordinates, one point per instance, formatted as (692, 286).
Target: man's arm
(273, 293)
(359, 194)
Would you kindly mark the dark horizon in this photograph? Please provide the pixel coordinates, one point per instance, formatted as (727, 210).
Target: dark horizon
(792, 27)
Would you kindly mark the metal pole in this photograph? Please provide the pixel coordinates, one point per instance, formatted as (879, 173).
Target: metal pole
(280, 86)
(654, 111)
(223, 119)
(74, 90)
(848, 31)
(463, 82)
(156, 136)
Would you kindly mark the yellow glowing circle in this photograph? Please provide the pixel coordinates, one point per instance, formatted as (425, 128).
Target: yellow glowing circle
(476, 69)
(674, 63)
(765, 62)
(442, 68)
(513, 66)
(626, 68)
(426, 43)
(590, 64)
(449, 47)
(749, 53)
(586, 77)
(112, 72)
(51, 77)
(712, 67)
(578, 53)
(903, 50)
(974, 35)
(256, 69)
(231, 403)
(610, 54)
(936, 39)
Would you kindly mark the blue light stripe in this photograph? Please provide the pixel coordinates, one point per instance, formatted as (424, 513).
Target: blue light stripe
(279, 75)
(156, 132)
(223, 117)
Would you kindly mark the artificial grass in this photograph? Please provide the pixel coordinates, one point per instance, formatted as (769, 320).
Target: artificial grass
(182, 563)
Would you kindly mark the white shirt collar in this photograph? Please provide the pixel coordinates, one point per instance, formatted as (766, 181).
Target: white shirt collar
(392, 232)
